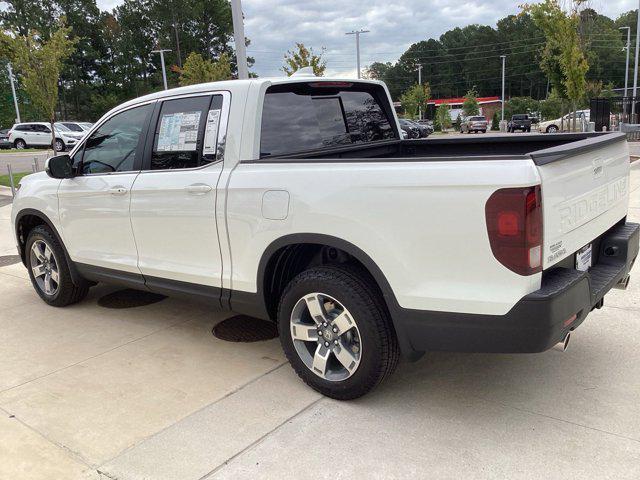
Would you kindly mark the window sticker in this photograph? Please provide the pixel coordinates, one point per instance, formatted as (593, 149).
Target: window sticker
(211, 133)
(178, 132)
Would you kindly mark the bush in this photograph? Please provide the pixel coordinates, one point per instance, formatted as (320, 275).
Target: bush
(495, 122)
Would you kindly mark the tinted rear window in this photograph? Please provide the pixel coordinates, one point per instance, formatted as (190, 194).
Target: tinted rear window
(301, 117)
(519, 117)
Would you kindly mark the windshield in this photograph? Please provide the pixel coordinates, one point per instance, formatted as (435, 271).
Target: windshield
(477, 119)
(86, 126)
(74, 127)
(61, 127)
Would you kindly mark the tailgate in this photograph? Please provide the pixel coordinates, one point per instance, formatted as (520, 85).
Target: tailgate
(585, 191)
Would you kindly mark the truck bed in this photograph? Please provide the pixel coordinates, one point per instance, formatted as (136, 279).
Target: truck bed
(542, 148)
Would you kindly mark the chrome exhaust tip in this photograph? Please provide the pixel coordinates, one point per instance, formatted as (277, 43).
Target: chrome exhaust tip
(564, 344)
(623, 283)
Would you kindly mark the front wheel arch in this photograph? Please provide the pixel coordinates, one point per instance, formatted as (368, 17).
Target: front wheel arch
(26, 220)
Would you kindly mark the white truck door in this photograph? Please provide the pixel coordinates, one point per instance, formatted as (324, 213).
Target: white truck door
(174, 198)
(94, 205)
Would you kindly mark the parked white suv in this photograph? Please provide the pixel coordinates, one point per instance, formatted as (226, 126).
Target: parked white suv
(296, 200)
(38, 134)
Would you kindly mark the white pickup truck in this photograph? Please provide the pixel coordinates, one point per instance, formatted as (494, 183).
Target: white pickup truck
(296, 200)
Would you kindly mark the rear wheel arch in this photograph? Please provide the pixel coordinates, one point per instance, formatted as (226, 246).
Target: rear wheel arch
(289, 255)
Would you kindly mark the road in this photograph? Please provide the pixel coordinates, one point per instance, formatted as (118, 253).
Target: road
(146, 392)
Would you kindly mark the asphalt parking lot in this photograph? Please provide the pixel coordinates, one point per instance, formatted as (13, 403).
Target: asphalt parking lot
(147, 392)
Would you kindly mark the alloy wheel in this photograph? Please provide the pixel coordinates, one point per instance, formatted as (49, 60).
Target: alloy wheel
(44, 267)
(326, 337)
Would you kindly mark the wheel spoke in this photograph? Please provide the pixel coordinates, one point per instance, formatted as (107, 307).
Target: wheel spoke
(47, 252)
(38, 252)
(345, 357)
(314, 304)
(38, 270)
(47, 284)
(320, 360)
(343, 322)
(55, 277)
(306, 333)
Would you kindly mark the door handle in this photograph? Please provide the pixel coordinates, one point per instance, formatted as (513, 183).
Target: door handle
(198, 189)
(117, 191)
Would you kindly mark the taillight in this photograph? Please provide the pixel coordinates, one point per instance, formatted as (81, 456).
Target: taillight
(514, 223)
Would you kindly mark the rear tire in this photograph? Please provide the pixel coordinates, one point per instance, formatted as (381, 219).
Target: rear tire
(349, 346)
(20, 144)
(58, 145)
(49, 271)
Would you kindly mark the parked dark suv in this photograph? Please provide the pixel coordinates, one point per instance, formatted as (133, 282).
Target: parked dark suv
(519, 122)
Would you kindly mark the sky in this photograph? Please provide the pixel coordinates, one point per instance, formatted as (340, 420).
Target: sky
(274, 26)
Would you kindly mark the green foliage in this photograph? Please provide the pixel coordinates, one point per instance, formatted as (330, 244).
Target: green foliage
(470, 106)
(552, 107)
(520, 105)
(199, 70)
(495, 122)
(377, 70)
(302, 56)
(563, 57)
(442, 119)
(415, 97)
(39, 61)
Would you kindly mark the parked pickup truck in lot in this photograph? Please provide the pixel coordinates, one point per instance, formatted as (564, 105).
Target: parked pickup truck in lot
(295, 200)
(519, 122)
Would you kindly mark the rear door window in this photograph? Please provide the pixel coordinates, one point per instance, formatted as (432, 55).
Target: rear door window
(308, 116)
(186, 133)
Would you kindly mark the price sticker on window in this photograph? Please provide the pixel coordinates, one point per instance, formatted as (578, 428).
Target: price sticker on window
(211, 133)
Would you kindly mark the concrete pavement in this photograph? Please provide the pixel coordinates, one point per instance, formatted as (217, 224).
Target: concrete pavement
(22, 161)
(89, 392)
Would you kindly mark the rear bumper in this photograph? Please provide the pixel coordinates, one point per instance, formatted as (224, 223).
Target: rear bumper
(539, 320)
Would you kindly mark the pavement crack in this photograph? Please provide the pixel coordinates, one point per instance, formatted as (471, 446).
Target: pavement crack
(72, 453)
(551, 417)
(256, 442)
(93, 356)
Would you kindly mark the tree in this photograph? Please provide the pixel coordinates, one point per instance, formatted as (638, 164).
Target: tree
(443, 117)
(377, 70)
(470, 106)
(563, 48)
(415, 98)
(199, 70)
(495, 122)
(302, 56)
(520, 105)
(39, 62)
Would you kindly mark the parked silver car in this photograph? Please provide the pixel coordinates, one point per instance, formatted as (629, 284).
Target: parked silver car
(474, 124)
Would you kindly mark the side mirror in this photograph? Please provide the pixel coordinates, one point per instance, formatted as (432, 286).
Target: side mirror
(59, 166)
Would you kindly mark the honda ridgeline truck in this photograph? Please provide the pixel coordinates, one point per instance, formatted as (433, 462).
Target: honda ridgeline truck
(296, 200)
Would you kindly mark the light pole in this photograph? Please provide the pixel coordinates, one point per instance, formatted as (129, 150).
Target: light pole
(420, 83)
(164, 73)
(357, 34)
(238, 38)
(635, 70)
(504, 59)
(13, 90)
(626, 69)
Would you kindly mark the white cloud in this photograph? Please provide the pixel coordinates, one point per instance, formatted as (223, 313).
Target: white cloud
(274, 26)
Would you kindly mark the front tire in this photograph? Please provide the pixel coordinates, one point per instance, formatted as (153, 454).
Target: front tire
(552, 129)
(336, 332)
(49, 270)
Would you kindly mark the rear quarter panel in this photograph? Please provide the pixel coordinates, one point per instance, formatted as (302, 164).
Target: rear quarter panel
(422, 223)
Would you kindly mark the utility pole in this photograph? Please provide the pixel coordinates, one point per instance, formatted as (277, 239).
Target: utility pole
(238, 37)
(357, 34)
(504, 59)
(164, 73)
(175, 29)
(626, 70)
(13, 90)
(420, 83)
(635, 70)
